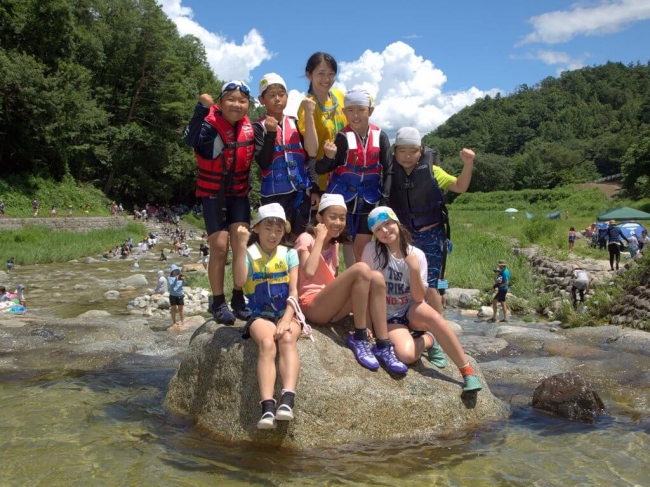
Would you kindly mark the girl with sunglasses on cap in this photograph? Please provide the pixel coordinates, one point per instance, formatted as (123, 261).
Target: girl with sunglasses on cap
(326, 296)
(359, 166)
(413, 326)
(320, 116)
(224, 144)
(268, 272)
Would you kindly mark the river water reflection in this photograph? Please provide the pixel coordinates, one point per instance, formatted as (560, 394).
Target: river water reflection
(108, 427)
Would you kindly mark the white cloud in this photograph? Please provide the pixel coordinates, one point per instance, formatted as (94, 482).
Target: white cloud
(606, 17)
(407, 88)
(228, 59)
(563, 60)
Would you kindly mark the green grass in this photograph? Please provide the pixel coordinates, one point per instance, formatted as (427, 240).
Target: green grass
(18, 193)
(39, 245)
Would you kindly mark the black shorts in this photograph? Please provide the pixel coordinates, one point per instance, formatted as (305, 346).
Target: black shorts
(177, 300)
(357, 223)
(238, 210)
(297, 217)
(500, 296)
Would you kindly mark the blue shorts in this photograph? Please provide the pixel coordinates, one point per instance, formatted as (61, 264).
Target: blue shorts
(431, 242)
(238, 210)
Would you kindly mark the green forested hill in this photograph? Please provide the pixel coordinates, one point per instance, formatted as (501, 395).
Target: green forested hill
(586, 124)
(99, 90)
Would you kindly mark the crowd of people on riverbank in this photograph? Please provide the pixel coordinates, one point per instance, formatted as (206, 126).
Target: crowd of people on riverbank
(329, 177)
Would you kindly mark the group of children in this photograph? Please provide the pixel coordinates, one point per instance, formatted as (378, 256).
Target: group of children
(333, 162)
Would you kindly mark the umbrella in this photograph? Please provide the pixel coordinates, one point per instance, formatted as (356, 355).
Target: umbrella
(511, 210)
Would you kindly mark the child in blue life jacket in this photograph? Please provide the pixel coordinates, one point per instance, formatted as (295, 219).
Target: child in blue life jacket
(280, 153)
(176, 280)
(416, 197)
(268, 272)
(412, 323)
(224, 145)
(360, 168)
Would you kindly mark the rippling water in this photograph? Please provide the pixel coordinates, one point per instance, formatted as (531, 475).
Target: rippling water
(109, 428)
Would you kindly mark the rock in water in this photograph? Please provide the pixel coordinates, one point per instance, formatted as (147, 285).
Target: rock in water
(337, 402)
(569, 396)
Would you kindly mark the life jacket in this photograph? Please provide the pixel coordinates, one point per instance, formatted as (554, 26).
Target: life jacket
(267, 289)
(416, 198)
(288, 171)
(361, 174)
(228, 171)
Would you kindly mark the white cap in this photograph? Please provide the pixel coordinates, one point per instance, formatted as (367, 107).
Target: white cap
(271, 79)
(272, 210)
(379, 215)
(357, 97)
(408, 136)
(329, 199)
(160, 273)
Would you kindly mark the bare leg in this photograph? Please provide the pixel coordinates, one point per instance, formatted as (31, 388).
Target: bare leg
(423, 317)
(407, 349)
(234, 241)
(289, 361)
(180, 310)
(173, 313)
(434, 299)
(262, 332)
(218, 242)
(359, 244)
(377, 305)
(348, 292)
(494, 309)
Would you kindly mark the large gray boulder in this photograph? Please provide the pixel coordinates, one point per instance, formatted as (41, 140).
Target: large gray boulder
(338, 401)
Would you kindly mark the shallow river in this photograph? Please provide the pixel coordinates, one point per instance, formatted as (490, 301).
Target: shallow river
(109, 427)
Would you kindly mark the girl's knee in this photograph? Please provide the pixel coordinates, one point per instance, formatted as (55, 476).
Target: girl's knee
(267, 346)
(287, 340)
(361, 270)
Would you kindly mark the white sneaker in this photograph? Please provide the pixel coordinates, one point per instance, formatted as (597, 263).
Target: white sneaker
(284, 413)
(267, 422)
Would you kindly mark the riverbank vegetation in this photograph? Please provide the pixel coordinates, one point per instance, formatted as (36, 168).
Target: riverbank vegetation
(40, 245)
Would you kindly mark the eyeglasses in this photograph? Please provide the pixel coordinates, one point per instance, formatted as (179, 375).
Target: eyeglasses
(235, 85)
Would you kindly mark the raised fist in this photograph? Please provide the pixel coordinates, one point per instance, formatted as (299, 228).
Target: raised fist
(467, 155)
(320, 232)
(243, 234)
(270, 124)
(308, 105)
(330, 149)
(206, 100)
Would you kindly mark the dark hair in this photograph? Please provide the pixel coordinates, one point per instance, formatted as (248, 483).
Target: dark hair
(572, 229)
(317, 58)
(344, 236)
(382, 255)
(3, 289)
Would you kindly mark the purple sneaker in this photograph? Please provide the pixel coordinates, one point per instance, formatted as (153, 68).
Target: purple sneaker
(392, 363)
(362, 352)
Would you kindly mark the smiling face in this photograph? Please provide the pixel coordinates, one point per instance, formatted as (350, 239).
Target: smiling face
(358, 116)
(270, 232)
(388, 234)
(407, 156)
(334, 218)
(274, 99)
(322, 78)
(234, 105)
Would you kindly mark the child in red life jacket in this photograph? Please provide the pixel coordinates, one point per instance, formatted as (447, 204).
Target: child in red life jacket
(280, 153)
(360, 167)
(223, 141)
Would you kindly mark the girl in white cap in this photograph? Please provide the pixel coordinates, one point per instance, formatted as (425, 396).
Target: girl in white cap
(326, 296)
(268, 273)
(404, 268)
(359, 165)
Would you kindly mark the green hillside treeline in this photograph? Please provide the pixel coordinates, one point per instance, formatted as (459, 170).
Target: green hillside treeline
(586, 124)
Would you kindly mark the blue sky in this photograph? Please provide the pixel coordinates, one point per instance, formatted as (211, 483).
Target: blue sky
(423, 60)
